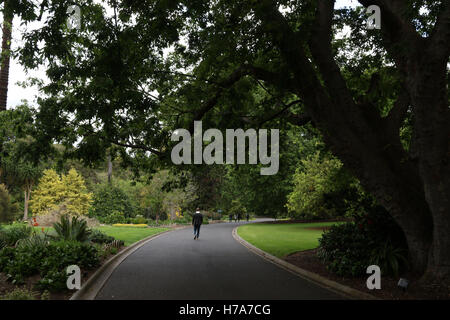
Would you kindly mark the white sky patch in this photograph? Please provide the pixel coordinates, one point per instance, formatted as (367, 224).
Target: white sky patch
(17, 93)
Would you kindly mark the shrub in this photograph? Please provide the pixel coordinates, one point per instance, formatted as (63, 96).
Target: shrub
(77, 199)
(53, 191)
(36, 240)
(109, 200)
(7, 209)
(50, 261)
(374, 238)
(48, 193)
(96, 236)
(130, 225)
(138, 220)
(19, 294)
(115, 217)
(53, 280)
(323, 189)
(10, 236)
(75, 230)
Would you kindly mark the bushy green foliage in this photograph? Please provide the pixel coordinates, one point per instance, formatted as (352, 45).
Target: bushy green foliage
(139, 219)
(323, 189)
(7, 209)
(35, 240)
(152, 214)
(237, 208)
(76, 197)
(114, 217)
(48, 193)
(10, 236)
(19, 294)
(373, 238)
(54, 190)
(96, 236)
(73, 230)
(50, 261)
(109, 200)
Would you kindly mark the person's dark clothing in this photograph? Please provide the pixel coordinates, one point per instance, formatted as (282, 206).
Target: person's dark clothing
(197, 230)
(197, 220)
(248, 217)
(231, 217)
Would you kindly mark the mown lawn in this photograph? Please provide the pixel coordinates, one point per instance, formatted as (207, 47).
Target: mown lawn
(283, 239)
(130, 235)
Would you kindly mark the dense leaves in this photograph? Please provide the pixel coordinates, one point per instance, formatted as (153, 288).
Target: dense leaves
(110, 201)
(373, 238)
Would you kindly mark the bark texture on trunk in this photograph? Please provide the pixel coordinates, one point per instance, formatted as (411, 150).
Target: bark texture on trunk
(413, 187)
(432, 146)
(109, 169)
(5, 54)
(27, 194)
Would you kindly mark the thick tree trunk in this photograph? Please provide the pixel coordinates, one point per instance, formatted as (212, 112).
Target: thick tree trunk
(394, 183)
(26, 202)
(431, 143)
(5, 55)
(109, 169)
(414, 189)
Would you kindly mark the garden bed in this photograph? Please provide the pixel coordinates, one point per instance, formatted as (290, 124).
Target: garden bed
(30, 282)
(33, 262)
(308, 260)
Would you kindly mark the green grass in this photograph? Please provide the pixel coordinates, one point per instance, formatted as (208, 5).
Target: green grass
(130, 235)
(283, 239)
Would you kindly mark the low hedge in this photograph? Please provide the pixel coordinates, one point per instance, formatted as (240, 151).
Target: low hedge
(50, 261)
(372, 239)
(131, 225)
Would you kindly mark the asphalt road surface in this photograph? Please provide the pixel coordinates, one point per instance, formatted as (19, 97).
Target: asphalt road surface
(176, 267)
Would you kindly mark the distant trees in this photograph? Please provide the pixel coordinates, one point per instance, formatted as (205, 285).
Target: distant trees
(7, 209)
(322, 189)
(164, 195)
(111, 200)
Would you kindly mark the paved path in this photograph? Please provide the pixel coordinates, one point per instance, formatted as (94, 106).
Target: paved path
(175, 266)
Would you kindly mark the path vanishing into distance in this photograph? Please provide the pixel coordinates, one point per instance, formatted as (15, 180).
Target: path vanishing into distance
(174, 266)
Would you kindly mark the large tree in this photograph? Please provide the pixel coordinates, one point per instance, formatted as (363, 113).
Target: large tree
(25, 9)
(252, 62)
(413, 186)
(5, 52)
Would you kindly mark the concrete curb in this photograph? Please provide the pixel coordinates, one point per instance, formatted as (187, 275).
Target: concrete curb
(95, 283)
(338, 288)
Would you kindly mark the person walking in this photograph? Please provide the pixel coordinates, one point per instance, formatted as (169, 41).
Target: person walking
(239, 217)
(197, 220)
(248, 217)
(231, 217)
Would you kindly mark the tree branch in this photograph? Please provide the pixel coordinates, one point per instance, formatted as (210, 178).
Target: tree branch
(399, 35)
(136, 146)
(320, 44)
(440, 36)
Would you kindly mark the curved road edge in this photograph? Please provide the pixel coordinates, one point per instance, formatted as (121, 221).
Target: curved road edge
(304, 274)
(95, 283)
